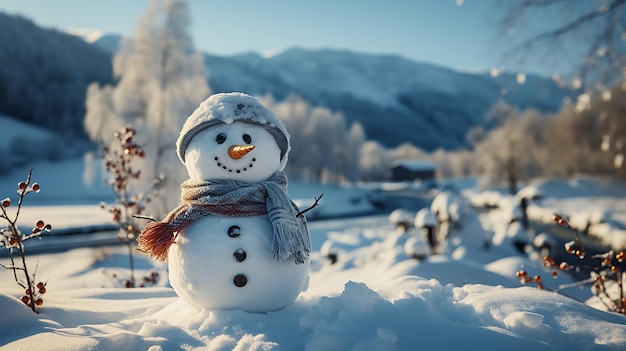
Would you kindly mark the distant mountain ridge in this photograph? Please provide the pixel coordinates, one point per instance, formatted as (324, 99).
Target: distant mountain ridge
(395, 99)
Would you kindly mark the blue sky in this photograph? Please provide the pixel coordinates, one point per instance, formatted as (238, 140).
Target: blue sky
(464, 37)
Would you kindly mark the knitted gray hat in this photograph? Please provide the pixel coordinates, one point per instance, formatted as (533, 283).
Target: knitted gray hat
(228, 108)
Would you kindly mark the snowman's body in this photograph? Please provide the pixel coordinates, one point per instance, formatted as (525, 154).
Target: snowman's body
(225, 262)
(228, 261)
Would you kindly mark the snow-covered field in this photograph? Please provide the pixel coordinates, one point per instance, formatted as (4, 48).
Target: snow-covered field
(375, 297)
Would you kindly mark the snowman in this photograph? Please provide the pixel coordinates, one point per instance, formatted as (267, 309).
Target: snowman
(236, 241)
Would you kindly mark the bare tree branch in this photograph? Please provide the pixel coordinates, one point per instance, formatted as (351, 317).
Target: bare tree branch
(567, 27)
(605, 46)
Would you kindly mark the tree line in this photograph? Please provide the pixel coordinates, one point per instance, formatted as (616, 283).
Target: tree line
(43, 75)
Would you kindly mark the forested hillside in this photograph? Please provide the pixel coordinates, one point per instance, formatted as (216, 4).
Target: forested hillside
(44, 75)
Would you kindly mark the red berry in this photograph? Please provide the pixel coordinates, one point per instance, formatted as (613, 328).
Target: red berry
(35, 187)
(548, 261)
(554, 274)
(27, 292)
(40, 285)
(42, 290)
(564, 266)
(21, 185)
(39, 302)
(6, 202)
(40, 224)
(25, 299)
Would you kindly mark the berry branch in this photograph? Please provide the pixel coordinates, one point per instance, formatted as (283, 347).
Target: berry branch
(607, 277)
(119, 157)
(13, 240)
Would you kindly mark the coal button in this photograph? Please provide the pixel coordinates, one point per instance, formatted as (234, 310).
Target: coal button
(239, 255)
(234, 231)
(240, 280)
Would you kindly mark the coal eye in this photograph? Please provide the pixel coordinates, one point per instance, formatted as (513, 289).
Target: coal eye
(220, 138)
(247, 139)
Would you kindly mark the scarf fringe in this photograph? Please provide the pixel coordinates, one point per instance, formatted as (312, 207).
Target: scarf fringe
(287, 245)
(155, 240)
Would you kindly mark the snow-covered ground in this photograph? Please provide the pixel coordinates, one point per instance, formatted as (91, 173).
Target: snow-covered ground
(597, 205)
(375, 297)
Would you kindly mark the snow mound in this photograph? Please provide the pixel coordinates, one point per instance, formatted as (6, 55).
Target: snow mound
(406, 313)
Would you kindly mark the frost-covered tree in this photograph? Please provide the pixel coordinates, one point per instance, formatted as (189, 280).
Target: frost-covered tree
(589, 137)
(350, 165)
(453, 164)
(327, 133)
(160, 81)
(322, 147)
(373, 162)
(294, 113)
(509, 153)
(406, 151)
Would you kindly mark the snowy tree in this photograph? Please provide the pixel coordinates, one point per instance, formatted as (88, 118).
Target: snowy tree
(350, 165)
(508, 153)
(293, 112)
(373, 162)
(453, 164)
(406, 151)
(322, 147)
(589, 137)
(327, 133)
(160, 81)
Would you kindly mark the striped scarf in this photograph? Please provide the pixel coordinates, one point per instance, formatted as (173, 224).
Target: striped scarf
(291, 241)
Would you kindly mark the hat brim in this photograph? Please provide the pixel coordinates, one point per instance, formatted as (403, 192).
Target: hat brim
(279, 136)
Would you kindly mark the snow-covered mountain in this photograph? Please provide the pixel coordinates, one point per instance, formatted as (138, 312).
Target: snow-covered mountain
(395, 99)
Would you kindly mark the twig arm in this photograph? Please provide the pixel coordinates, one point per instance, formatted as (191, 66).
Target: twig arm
(144, 217)
(315, 204)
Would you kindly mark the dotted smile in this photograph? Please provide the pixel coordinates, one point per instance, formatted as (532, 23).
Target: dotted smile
(231, 170)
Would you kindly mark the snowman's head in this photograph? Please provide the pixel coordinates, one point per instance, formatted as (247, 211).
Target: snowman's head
(233, 136)
(239, 151)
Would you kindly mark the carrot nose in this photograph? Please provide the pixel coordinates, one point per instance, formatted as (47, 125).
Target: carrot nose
(239, 151)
